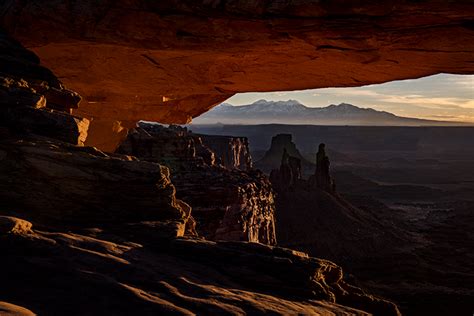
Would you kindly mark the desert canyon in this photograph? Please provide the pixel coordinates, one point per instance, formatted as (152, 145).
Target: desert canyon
(102, 214)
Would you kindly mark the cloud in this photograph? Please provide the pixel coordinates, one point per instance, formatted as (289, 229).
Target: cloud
(403, 99)
(465, 80)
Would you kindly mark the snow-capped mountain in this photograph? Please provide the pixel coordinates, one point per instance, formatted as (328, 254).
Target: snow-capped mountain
(293, 112)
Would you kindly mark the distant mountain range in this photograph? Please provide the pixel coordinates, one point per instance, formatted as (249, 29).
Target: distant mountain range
(293, 112)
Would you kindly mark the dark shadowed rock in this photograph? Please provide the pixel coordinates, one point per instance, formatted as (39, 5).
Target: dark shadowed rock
(33, 101)
(273, 156)
(178, 277)
(228, 204)
(232, 152)
(52, 182)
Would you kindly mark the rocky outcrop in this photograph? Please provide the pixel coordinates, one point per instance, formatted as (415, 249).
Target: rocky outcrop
(228, 204)
(273, 156)
(191, 55)
(56, 183)
(231, 152)
(33, 101)
(322, 177)
(314, 218)
(289, 173)
(47, 175)
(173, 277)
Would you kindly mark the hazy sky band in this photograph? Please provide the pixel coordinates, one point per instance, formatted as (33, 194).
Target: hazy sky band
(440, 97)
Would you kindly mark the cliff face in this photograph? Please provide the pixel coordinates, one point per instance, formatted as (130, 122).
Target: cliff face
(191, 55)
(231, 152)
(313, 217)
(272, 158)
(228, 203)
(56, 183)
(45, 172)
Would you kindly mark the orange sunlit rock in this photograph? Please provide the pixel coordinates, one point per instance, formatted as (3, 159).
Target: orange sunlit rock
(167, 61)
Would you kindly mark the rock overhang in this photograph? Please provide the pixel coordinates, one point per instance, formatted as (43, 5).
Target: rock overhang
(170, 61)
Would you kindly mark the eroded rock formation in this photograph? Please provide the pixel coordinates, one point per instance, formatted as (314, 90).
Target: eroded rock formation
(228, 203)
(273, 156)
(169, 61)
(56, 183)
(231, 152)
(100, 272)
(314, 218)
(322, 177)
(32, 100)
(46, 174)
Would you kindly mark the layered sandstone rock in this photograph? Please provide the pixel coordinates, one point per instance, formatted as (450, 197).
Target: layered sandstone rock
(232, 152)
(228, 204)
(45, 172)
(68, 274)
(169, 61)
(33, 101)
(52, 182)
(109, 223)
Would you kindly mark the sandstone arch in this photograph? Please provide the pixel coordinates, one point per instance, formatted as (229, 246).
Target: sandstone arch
(169, 61)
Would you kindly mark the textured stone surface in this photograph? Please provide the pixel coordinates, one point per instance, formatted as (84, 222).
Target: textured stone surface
(32, 100)
(7, 309)
(59, 183)
(171, 60)
(231, 152)
(12, 225)
(99, 273)
(228, 204)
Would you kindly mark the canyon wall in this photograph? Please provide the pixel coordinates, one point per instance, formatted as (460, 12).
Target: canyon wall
(228, 203)
(232, 152)
(47, 175)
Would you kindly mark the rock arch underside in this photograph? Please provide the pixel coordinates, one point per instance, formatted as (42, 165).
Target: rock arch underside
(101, 215)
(170, 61)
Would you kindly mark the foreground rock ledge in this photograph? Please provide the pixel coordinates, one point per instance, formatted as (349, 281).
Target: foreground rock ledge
(169, 61)
(98, 273)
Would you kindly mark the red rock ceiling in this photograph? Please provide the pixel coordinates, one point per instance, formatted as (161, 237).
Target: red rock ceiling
(170, 61)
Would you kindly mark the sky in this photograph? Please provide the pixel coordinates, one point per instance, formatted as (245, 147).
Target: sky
(441, 97)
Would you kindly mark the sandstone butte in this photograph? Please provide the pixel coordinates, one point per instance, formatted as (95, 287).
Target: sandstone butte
(170, 61)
